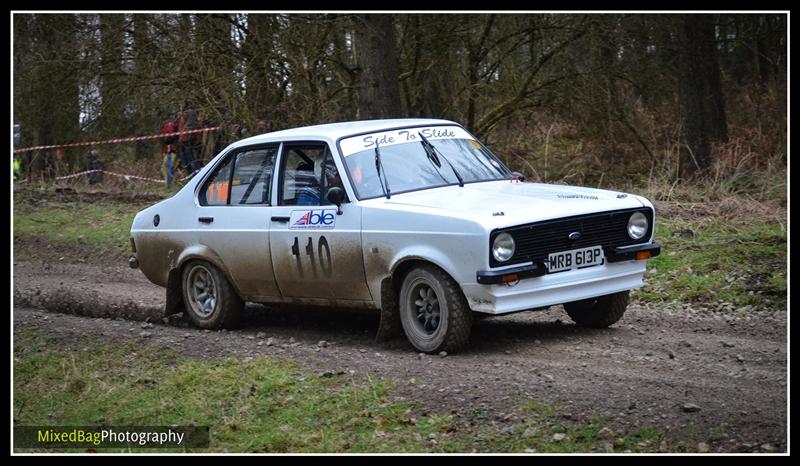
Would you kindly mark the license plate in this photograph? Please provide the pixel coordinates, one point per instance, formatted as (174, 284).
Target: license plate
(575, 259)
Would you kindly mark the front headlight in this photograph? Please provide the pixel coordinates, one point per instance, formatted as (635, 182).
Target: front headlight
(637, 225)
(503, 247)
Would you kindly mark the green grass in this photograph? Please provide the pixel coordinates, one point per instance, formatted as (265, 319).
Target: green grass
(538, 408)
(577, 439)
(259, 404)
(101, 227)
(742, 264)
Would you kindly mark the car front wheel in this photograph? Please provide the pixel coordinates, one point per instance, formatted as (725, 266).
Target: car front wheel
(599, 312)
(211, 301)
(433, 310)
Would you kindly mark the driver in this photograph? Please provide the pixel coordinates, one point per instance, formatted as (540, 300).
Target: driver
(365, 180)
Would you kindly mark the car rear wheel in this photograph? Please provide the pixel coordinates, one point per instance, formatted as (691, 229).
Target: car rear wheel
(433, 310)
(211, 302)
(599, 312)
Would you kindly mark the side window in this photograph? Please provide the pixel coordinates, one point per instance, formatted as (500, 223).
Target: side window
(252, 174)
(302, 173)
(217, 189)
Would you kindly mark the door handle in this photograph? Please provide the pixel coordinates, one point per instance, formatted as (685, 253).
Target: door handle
(280, 219)
(206, 219)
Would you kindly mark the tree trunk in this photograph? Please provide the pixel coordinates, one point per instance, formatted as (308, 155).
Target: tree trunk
(701, 91)
(263, 94)
(51, 113)
(714, 99)
(145, 120)
(216, 54)
(113, 92)
(377, 59)
(475, 54)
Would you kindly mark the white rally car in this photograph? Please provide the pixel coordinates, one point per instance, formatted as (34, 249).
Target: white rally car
(412, 217)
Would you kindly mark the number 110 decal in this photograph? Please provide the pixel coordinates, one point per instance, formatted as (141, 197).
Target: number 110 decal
(320, 259)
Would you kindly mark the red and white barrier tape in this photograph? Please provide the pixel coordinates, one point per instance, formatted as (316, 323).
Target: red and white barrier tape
(115, 141)
(189, 175)
(77, 174)
(127, 177)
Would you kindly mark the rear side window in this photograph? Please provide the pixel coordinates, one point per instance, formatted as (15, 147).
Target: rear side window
(252, 175)
(243, 179)
(217, 189)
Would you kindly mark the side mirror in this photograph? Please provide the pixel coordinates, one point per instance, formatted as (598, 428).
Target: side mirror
(518, 176)
(335, 196)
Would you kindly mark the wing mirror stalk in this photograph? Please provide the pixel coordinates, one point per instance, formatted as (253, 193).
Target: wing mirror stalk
(335, 196)
(517, 176)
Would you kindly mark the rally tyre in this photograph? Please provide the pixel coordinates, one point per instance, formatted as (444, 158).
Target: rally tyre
(599, 312)
(433, 311)
(210, 300)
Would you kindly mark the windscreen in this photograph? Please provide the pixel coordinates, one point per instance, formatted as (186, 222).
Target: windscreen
(406, 164)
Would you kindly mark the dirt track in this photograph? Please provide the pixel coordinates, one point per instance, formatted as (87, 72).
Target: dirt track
(639, 373)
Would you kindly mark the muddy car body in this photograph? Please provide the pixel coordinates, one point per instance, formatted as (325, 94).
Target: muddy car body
(413, 218)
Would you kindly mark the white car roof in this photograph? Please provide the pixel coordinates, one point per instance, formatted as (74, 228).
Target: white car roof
(335, 131)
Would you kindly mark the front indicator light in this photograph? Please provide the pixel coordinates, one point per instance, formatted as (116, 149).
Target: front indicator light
(642, 255)
(510, 278)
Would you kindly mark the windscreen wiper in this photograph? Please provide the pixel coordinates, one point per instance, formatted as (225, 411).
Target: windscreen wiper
(434, 160)
(378, 166)
(431, 150)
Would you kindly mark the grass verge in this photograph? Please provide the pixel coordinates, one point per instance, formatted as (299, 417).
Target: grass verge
(263, 404)
(79, 230)
(718, 262)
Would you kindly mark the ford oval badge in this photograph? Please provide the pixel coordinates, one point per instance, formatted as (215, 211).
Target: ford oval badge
(575, 235)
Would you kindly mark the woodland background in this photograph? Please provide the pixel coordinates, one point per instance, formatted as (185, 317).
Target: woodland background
(579, 98)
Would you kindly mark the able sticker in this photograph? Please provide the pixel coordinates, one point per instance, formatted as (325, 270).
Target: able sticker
(319, 219)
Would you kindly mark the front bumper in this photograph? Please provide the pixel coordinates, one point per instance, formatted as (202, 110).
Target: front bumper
(627, 253)
(537, 269)
(495, 293)
(511, 274)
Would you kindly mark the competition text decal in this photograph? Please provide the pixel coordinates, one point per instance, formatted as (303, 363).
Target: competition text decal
(401, 136)
(576, 196)
(320, 219)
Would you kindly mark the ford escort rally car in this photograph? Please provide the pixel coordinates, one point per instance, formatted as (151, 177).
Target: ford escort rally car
(414, 218)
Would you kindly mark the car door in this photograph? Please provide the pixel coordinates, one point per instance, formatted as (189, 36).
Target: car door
(233, 218)
(316, 253)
